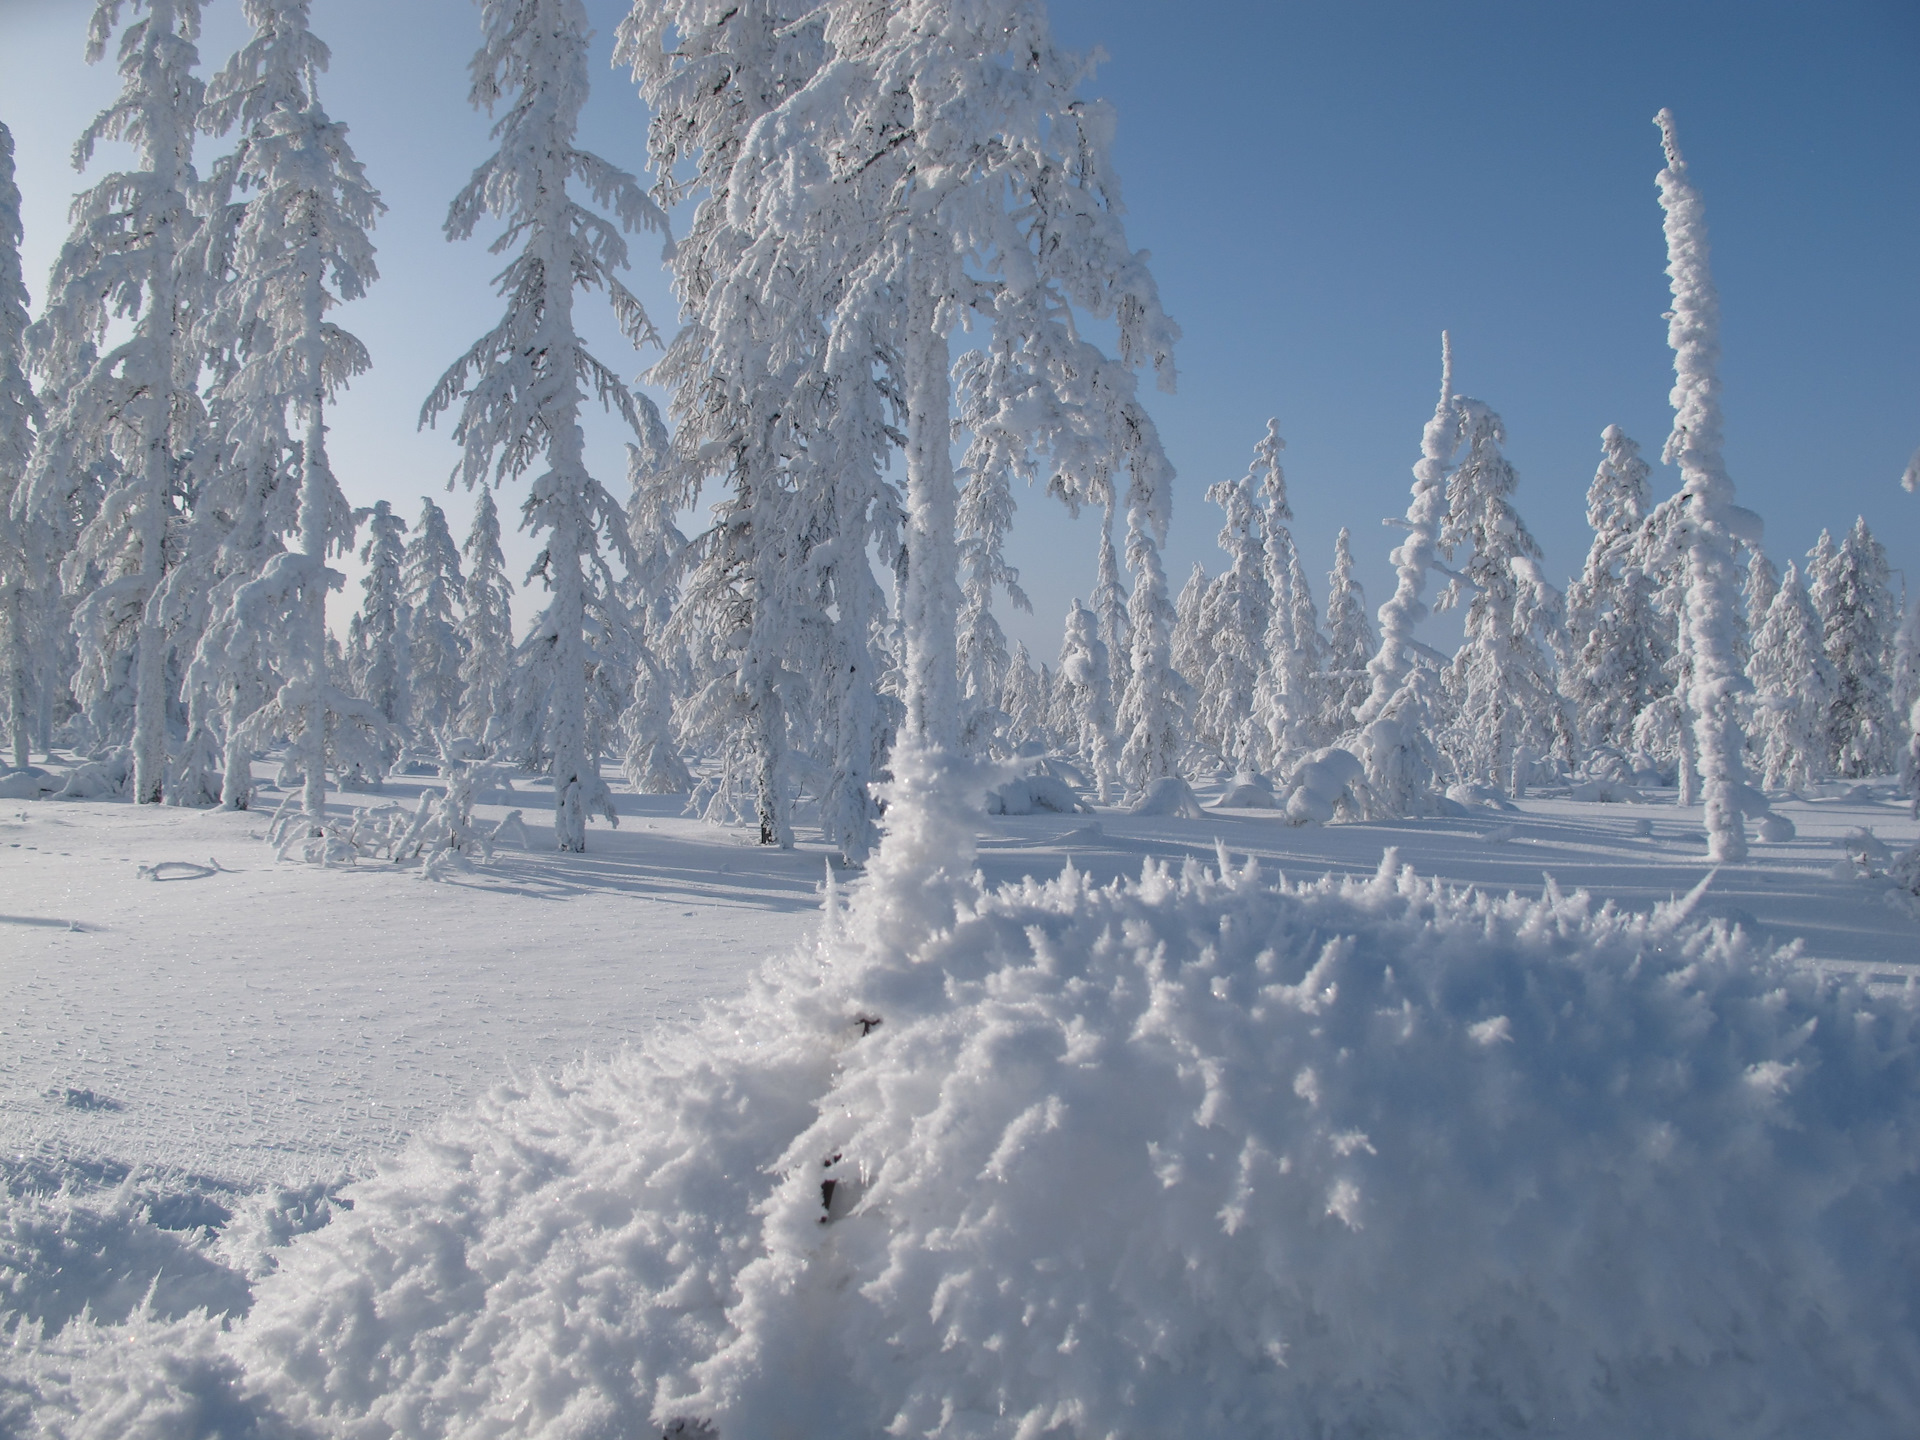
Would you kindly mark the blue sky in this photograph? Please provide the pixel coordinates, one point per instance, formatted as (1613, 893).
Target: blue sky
(1324, 187)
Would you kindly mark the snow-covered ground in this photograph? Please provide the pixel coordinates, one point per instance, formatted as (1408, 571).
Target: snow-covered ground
(204, 1042)
(247, 1020)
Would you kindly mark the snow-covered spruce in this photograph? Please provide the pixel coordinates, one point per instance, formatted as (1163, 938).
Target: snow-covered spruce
(1086, 683)
(19, 418)
(486, 626)
(1857, 613)
(293, 251)
(1236, 614)
(377, 635)
(520, 387)
(1350, 642)
(1793, 688)
(134, 405)
(651, 758)
(1502, 682)
(1354, 1157)
(1618, 642)
(710, 73)
(431, 584)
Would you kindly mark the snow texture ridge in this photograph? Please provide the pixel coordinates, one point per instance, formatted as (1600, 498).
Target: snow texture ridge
(1205, 1153)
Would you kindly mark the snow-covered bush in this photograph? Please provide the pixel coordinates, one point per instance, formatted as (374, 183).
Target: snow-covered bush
(1203, 1154)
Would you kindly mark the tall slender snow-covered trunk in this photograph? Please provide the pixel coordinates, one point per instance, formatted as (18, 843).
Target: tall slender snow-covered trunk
(1415, 556)
(18, 662)
(311, 620)
(161, 324)
(1713, 587)
(566, 547)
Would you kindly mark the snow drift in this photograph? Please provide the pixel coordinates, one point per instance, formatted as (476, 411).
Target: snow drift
(1208, 1153)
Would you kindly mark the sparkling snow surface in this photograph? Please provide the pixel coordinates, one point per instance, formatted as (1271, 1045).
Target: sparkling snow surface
(268, 1021)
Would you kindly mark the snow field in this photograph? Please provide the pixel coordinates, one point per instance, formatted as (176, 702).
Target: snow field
(1204, 1151)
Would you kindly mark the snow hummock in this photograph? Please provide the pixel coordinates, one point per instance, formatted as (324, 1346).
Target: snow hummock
(1208, 1152)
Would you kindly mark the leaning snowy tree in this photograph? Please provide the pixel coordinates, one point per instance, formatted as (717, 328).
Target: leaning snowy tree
(121, 281)
(1706, 532)
(19, 417)
(520, 388)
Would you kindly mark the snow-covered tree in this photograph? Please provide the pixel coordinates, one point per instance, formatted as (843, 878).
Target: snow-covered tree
(746, 376)
(1109, 603)
(377, 634)
(292, 247)
(1156, 692)
(1763, 583)
(1350, 642)
(126, 265)
(1712, 619)
(1400, 653)
(652, 758)
(1398, 720)
(432, 584)
(520, 388)
(1502, 678)
(1793, 687)
(942, 163)
(486, 627)
(1086, 684)
(1857, 612)
(1234, 619)
(985, 519)
(1023, 698)
(1618, 641)
(1285, 702)
(1189, 648)
(19, 418)
(1298, 667)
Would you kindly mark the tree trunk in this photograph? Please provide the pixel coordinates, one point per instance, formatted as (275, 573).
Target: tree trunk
(932, 598)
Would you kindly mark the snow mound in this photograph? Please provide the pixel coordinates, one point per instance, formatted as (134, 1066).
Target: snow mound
(31, 783)
(1247, 791)
(1329, 783)
(1034, 794)
(1170, 795)
(99, 779)
(1203, 1154)
(1484, 797)
(1605, 792)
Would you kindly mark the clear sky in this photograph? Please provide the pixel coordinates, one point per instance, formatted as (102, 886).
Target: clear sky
(1324, 187)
